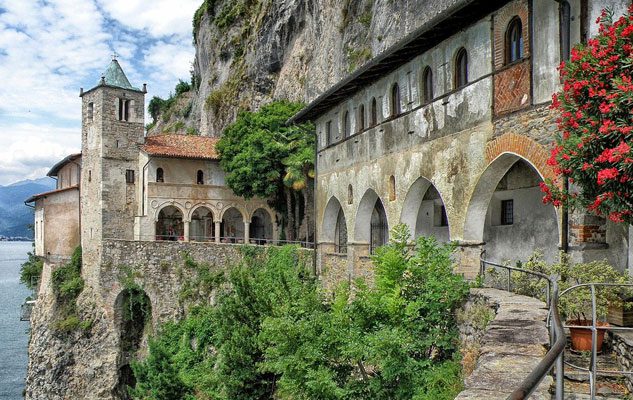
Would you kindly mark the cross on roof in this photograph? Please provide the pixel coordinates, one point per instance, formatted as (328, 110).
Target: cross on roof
(114, 56)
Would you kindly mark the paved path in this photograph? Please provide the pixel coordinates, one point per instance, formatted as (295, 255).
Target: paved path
(514, 343)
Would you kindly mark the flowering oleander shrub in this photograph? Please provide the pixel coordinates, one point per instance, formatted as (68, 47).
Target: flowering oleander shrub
(596, 124)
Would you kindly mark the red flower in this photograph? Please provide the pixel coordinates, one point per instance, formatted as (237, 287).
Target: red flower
(607, 173)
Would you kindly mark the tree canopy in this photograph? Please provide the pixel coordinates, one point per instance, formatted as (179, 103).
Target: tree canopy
(596, 124)
(264, 157)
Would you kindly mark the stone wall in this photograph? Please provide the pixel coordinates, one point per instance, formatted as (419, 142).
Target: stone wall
(622, 343)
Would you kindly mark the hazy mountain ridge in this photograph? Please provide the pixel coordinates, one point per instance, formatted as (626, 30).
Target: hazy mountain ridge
(15, 216)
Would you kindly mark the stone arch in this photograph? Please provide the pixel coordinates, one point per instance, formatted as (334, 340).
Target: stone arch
(366, 207)
(232, 226)
(170, 223)
(261, 228)
(166, 204)
(424, 211)
(201, 223)
(537, 225)
(523, 147)
(133, 321)
(328, 225)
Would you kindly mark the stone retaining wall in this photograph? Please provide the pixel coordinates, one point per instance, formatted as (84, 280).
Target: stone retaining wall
(622, 343)
(513, 344)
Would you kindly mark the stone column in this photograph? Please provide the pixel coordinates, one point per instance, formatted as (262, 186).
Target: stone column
(186, 226)
(217, 231)
(247, 231)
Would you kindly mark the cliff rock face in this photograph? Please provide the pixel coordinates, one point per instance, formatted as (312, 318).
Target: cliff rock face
(249, 52)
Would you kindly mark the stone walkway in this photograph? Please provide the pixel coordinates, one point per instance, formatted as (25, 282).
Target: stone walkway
(514, 343)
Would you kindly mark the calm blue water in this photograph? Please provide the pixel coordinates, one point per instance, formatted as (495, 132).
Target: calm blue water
(13, 333)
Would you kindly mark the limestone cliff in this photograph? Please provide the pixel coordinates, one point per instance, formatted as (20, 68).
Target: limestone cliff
(249, 52)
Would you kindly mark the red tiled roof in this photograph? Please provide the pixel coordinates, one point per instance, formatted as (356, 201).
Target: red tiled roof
(182, 146)
(49, 193)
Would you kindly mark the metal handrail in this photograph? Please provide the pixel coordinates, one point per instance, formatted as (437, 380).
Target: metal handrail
(558, 339)
(593, 369)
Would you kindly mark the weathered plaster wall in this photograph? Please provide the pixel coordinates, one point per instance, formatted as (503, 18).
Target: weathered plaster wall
(60, 217)
(69, 175)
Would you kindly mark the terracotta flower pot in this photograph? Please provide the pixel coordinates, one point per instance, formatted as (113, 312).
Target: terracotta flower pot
(581, 337)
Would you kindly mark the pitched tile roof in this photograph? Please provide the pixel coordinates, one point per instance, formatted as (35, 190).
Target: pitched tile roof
(68, 159)
(182, 146)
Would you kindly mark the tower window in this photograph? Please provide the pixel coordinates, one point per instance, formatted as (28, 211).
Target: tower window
(514, 41)
(129, 176)
(427, 79)
(200, 177)
(160, 176)
(350, 194)
(124, 110)
(91, 108)
(347, 129)
(374, 113)
(565, 30)
(461, 68)
(507, 212)
(395, 100)
(328, 133)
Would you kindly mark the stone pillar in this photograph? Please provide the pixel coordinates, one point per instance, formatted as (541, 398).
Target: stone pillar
(630, 254)
(587, 237)
(217, 231)
(467, 257)
(186, 226)
(247, 232)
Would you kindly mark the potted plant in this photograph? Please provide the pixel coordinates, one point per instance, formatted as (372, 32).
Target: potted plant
(575, 305)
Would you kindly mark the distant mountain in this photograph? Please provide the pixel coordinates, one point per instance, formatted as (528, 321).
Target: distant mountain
(15, 217)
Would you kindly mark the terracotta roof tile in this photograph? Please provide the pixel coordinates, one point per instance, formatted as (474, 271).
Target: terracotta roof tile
(182, 146)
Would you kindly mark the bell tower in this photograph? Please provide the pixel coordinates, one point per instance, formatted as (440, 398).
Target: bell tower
(112, 132)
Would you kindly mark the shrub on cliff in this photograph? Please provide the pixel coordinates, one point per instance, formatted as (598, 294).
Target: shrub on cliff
(275, 334)
(596, 124)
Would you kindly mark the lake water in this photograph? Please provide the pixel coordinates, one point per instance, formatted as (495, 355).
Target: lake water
(14, 334)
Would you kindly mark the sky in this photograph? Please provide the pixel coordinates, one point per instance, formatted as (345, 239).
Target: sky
(51, 48)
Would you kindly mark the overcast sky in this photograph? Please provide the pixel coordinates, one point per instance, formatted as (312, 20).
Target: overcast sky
(49, 49)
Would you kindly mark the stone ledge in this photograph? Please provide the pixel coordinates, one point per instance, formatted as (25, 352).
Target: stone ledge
(513, 344)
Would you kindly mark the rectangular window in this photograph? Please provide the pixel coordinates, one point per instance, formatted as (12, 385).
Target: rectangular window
(91, 108)
(129, 176)
(507, 212)
(328, 133)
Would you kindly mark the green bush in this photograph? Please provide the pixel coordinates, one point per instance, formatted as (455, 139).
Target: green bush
(67, 285)
(274, 334)
(182, 87)
(31, 271)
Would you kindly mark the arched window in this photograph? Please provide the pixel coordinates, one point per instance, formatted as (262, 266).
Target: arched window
(392, 188)
(514, 41)
(461, 68)
(427, 79)
(341, 233)
(347, 129)
(379, 233)
(200, 177)
(374, 113)
(565, 30)
(160, 175)
(395, 100)
(360, 120)
(350, 194)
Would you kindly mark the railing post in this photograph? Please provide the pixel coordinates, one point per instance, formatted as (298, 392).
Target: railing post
(509, 279)
(594, 344)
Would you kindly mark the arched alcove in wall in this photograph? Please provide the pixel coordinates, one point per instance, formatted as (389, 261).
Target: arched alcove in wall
(232, 227)
(261, 229)
(132, 316)
(507, 213)
(169, 224)
(424, 212)
(201, 227)
(371, 225)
